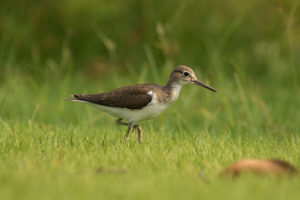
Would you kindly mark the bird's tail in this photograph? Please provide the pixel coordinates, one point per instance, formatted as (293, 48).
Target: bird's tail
(73, 98)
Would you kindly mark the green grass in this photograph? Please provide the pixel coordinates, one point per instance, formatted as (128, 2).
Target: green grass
(50, 148)
(55, 162)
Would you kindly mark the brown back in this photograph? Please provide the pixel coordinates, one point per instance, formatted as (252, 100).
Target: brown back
(131, 97)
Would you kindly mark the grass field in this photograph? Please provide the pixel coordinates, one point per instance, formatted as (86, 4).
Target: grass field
(53, 149)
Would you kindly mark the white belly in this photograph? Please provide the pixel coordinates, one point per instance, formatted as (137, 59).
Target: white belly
(148, 112)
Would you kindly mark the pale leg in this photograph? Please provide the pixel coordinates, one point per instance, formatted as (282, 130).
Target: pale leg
(139, 132)
(128, 131)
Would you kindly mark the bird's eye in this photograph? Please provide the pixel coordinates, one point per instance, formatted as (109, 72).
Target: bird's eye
(186, 74)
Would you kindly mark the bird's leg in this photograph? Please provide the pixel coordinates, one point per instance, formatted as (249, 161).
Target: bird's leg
(140, 134)
(135, 129)
(128, 131)
(119, 121)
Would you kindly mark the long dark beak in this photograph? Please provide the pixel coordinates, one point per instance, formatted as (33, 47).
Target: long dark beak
(197, 82)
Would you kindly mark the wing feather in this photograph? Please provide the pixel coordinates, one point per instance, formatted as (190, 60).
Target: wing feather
(133, 97)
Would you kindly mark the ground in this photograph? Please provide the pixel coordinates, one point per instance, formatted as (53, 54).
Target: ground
(54, 149)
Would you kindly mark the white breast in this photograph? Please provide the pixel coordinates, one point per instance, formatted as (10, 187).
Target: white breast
(175, 92)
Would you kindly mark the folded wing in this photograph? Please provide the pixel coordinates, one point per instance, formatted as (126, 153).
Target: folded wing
(131, 97)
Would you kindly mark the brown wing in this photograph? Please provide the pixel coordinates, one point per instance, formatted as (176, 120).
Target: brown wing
(132, 97)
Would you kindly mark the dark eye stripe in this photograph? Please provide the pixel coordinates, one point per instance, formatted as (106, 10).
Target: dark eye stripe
(185, 73)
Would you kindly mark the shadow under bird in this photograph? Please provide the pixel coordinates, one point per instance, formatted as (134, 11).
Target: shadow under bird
(142, 101)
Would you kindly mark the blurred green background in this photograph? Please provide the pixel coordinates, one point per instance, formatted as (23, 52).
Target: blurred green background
(249, 51)
(97, 35)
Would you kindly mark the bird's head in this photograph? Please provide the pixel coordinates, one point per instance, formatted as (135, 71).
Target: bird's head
(182, 75)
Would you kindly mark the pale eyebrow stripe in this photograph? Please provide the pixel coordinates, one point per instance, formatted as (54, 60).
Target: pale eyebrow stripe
(178, 71)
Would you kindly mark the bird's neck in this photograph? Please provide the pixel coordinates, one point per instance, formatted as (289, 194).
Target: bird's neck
(173, 89)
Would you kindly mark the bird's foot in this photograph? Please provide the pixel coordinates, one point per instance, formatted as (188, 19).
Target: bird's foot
(126, 138)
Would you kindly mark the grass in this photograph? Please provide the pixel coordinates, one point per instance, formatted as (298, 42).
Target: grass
(51, 148)
(63, 162)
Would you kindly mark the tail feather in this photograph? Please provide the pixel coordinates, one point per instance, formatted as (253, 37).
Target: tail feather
(73, 98)
(90, 98)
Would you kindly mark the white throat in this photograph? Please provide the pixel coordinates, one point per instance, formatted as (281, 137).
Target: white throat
(175, 91)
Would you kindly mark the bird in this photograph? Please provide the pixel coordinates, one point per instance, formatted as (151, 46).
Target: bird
(141, 102)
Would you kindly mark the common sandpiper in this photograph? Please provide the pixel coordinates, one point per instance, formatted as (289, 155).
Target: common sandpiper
(142, 101)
